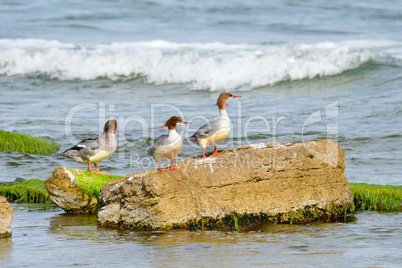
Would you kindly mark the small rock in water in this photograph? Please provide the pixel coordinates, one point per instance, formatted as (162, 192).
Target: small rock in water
(6, 217)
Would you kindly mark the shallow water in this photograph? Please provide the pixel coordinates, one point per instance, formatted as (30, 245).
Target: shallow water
(50, 238)
(305, 70)
(368, 119)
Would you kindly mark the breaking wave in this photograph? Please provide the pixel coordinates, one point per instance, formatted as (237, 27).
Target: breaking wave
(212, 66)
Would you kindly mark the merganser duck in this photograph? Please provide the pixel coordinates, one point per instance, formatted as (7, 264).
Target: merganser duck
(216, 131)
(95, 149)
(168, 146)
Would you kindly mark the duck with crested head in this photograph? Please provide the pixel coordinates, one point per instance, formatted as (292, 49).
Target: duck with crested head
(215, 131)
(168, 146)
(95, 149)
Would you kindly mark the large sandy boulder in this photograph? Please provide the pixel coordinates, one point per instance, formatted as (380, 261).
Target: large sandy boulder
(6, 217)
(246, 186)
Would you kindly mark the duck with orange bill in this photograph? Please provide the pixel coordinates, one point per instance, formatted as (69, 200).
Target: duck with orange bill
(95, 149)
(215, 131)
(168, 146)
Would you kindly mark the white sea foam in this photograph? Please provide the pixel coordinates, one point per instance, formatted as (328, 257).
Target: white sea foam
(213, 66)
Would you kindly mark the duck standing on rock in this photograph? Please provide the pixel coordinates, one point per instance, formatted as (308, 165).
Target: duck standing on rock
(95, 149)
(168, 146)
(215, 131)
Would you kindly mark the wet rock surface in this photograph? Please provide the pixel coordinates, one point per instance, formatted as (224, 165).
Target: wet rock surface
(6, 217)
(245, 187)
(64, 192)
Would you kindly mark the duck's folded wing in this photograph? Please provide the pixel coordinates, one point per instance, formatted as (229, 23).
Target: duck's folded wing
(92, 143)
(203, 132)
(159, 141)
(88, 144)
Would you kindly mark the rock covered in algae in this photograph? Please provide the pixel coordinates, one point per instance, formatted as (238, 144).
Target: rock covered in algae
(6, 217)
(246, 186)
(74, 190)
(25, 191)
(15, 142)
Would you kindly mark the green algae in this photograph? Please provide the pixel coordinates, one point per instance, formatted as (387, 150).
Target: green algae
(14, 142)
(25, 191)
(236, 223)
(345, 213)
(376, 197)
(91, 183)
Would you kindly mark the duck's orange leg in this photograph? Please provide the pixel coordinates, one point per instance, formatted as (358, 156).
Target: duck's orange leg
(203, 153)
(89, 167)
(97, 171)
(172, 167)
(216, 152)
(159, 165)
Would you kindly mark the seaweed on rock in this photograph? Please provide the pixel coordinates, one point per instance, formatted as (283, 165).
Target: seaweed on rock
(25, 191)
(91, 183)
(377, 197)
(14, 142)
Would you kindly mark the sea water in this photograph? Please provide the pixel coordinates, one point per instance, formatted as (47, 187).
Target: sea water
(306, 71)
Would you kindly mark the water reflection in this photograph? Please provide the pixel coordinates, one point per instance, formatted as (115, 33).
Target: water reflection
(6, 245)
(43, 232)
